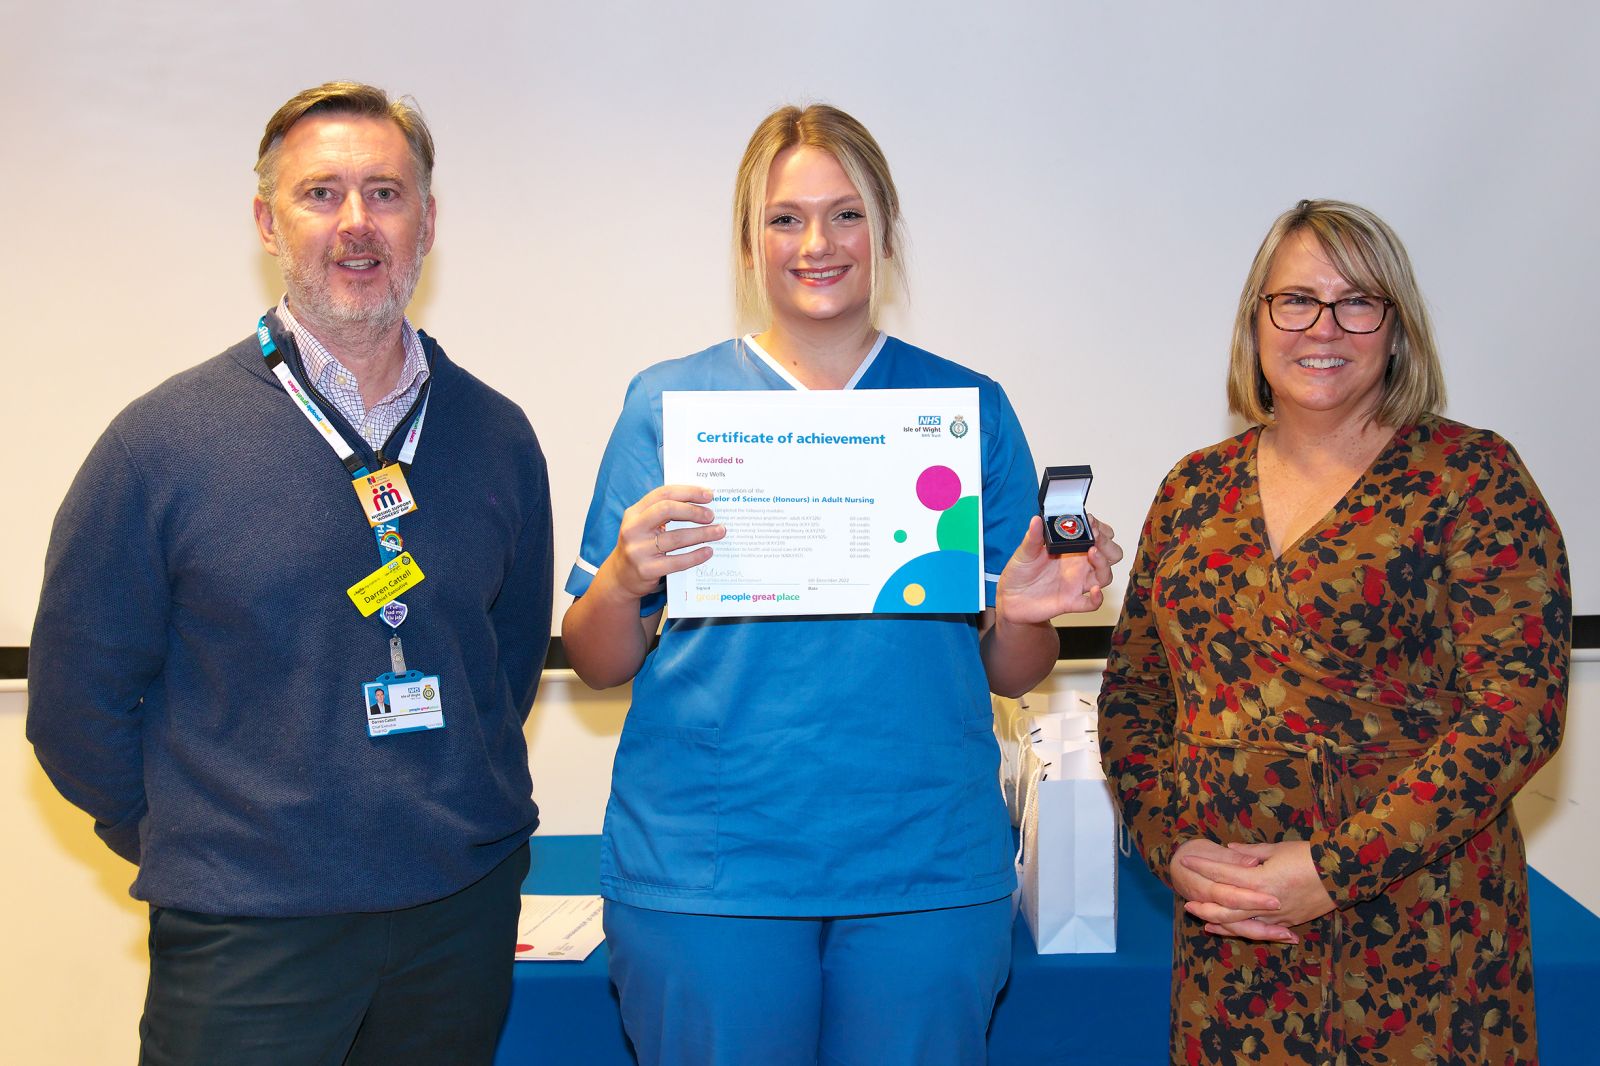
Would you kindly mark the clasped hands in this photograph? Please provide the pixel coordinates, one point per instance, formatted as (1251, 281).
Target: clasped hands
(1253, 891)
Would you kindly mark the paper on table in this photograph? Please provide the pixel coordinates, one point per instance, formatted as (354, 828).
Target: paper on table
(558, 928)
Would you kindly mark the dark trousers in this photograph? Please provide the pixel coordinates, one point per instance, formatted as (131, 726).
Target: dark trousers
(428, 985)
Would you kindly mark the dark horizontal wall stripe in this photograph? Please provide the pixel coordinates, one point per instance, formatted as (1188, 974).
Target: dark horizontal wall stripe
(1077, 642)
(557, 659)
(1084, 642)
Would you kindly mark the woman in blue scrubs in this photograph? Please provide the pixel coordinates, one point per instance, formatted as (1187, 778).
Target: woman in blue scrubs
(806, 855)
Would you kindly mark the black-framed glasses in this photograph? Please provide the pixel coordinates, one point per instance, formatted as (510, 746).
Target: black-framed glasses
(1296, 312)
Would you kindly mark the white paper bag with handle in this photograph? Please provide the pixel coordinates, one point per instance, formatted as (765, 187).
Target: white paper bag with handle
(1037, 718)
(1068, 853)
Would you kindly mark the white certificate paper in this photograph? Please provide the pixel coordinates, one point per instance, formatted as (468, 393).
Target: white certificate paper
(836, 502)
(558, 928)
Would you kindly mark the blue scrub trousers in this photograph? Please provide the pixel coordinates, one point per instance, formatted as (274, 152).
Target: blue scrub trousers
(910, 989)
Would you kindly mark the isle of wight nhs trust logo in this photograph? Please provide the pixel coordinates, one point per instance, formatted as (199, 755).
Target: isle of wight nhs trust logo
(933, 426)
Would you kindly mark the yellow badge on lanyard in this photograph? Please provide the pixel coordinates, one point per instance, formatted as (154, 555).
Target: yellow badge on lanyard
(385, 495)
(384, 584)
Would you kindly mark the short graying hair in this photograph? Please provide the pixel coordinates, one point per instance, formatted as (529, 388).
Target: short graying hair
(344, 98)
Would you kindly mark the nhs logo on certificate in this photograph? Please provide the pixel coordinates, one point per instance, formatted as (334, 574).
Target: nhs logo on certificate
(835, 502)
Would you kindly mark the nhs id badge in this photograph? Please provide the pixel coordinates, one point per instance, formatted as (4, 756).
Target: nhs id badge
(402, 703)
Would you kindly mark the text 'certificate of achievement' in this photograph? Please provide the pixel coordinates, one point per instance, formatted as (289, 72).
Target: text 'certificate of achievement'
(836, 502)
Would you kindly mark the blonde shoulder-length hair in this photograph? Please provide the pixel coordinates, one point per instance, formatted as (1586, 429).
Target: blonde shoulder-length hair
(847, 140)
(1369, 255)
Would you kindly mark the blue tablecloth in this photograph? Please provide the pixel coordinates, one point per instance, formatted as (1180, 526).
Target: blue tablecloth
(1081, 1009)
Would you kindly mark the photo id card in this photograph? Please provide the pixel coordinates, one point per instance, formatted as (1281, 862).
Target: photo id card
(402, 703)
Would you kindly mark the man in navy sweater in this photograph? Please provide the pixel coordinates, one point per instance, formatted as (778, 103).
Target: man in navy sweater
(326, 885)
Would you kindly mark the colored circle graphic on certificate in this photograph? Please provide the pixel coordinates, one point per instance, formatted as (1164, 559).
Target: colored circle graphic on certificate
(940, 582)
(899, 536)
(938, 487)
(958, 526)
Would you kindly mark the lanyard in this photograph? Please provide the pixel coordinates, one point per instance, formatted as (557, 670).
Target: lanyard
(319, 421)
(386, 533)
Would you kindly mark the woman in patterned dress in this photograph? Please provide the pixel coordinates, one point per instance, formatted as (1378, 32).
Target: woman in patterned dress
(1342, 651)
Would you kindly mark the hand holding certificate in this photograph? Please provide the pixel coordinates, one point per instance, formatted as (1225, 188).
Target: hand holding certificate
(647, 550)
(834, 502)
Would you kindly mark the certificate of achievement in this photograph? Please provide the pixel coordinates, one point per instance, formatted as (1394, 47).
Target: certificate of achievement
(836, 502)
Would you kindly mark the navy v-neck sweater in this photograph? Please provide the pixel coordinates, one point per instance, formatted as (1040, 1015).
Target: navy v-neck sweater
(196, 668)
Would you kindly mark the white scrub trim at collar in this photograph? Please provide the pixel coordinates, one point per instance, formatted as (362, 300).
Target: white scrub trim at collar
(794, 382)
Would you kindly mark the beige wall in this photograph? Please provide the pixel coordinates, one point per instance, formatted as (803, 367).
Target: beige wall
(1084, 185)
(75, 938)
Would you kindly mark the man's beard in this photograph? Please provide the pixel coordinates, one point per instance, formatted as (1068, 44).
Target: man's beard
(311, 294)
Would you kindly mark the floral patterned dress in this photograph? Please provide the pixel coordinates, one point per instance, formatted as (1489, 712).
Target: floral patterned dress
(1382, 689)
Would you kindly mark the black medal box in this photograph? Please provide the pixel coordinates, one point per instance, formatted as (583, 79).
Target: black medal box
(1063, 504)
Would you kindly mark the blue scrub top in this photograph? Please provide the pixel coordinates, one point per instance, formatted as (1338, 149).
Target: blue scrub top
(809, 766)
